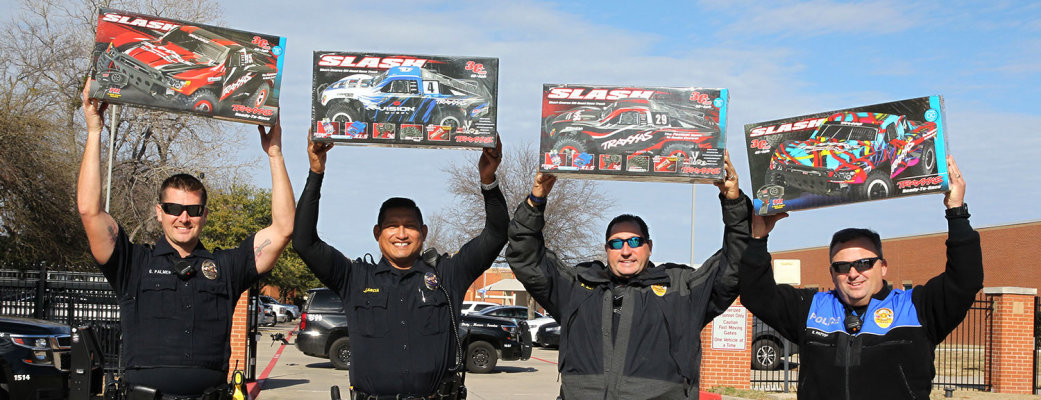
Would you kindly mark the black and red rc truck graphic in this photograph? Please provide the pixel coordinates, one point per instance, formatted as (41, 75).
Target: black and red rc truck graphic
(184, 67)
(855, 154)
(634, 133)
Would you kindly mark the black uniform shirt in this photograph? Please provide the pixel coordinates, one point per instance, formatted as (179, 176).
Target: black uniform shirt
(169, 322)
(399, 320)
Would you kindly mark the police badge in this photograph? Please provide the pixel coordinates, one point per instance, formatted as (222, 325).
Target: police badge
(659, 290)
(209, 269)
(431, 280)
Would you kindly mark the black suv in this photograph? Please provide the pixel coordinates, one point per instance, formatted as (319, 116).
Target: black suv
(324, 333)
(34, 359)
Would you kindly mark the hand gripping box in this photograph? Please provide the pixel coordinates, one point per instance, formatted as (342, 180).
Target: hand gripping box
(847, 156)
(404, 100)
(182, 66)
(633, 133)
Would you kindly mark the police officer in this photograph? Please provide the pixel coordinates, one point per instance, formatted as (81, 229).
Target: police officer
(176, 297)
(402, 309)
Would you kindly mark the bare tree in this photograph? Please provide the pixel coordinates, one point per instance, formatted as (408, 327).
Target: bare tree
(45, 54)
(575, 209)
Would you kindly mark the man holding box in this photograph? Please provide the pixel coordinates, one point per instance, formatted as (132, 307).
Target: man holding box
(865, 340)
(403, 311)
(176, 297)
(630, 329)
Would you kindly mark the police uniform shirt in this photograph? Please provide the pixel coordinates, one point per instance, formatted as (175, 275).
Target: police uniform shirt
(170, 322)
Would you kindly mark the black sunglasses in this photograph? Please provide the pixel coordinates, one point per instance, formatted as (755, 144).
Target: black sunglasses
(634, 242)
(863, 264)
(175, 209)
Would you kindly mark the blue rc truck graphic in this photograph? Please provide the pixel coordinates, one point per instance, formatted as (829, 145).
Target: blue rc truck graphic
(408, 95)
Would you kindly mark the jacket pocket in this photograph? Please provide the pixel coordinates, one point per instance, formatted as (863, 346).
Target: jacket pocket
(213, 300)
(371, 312)
(433, 314)
(158, 297)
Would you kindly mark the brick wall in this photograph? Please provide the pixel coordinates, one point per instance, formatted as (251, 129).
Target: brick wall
(731, 367)
(239, 331)
(1012, 340)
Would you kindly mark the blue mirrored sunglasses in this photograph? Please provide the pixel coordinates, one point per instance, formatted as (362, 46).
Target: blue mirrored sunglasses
(634, 242)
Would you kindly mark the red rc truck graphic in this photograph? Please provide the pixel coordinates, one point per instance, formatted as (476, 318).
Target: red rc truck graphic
(190, 67)
(632, 126)
(855, 153)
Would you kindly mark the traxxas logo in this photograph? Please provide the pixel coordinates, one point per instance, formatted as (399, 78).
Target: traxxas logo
(598, 94)
(789, 127)
(639, 137)
(236, 85)
(135, 21)
(333, 60)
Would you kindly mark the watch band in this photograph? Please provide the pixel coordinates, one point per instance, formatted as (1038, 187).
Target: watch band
(961, 211)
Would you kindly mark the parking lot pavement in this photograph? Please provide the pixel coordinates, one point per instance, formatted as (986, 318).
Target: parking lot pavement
(296, 376)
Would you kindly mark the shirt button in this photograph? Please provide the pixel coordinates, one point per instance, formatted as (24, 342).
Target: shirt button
(187, 331)
(403, 322)
(186, 355)
(186, 284)
(404, 347)
(189, 307)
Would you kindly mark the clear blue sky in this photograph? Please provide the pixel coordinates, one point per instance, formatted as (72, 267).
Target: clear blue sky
(778, 59)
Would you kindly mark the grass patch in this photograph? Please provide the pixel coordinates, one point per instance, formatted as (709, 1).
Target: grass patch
(743, 393)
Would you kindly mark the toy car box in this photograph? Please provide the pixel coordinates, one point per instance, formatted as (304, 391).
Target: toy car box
(404, 100)
(634, 133)
(846, 156)
(182, 66)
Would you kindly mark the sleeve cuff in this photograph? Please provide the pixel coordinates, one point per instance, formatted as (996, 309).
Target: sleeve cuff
(491, 186)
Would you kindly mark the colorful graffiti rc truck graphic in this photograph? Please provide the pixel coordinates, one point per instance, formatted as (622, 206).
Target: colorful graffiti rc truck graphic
(855, 154)
(190, 66)
(406, 94)
(633, 126)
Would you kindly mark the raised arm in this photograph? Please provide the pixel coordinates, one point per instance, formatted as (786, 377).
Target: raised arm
(270, 241)
(737, 227)
(943, 301)
(101, 228)
(536, 267)
(478, 254)
(327, 263)
(783, 307)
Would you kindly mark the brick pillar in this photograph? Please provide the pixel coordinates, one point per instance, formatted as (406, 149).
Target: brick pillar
(1012, 339)
(239, 331)
(726, 359)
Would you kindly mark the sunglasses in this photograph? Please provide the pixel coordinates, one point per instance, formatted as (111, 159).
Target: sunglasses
(634, 242)
(175, 209)
(863, 264)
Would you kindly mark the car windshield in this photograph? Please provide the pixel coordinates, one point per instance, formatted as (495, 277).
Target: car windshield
(846, 132)
(208, 52)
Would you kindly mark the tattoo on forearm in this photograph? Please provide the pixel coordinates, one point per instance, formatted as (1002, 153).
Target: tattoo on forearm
(113, 233)
(259, 250)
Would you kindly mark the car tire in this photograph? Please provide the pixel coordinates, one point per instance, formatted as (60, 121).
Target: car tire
(927, 160)
(340, 353)
(203, 101)
(775, 178)
(481, 357)
(570, 143)
(342, 112)
(452, 119)
(876, 186)
(687, 150)
(260, 96)
(766, 355)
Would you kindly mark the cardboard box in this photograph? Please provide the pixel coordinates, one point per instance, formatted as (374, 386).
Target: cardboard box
(404, 100)
(847, 156)
(181, 66)
(633, 133)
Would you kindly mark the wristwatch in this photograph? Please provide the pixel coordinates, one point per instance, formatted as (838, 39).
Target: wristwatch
(961, 211)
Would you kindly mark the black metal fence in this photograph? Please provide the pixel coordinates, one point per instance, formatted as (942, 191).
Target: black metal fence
(71, 298)
(962, 360)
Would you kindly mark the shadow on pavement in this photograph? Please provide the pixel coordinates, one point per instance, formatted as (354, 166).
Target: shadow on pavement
(281, 383)
(326, 364)
(509, 370)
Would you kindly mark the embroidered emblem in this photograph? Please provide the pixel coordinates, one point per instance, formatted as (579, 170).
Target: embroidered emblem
(430, 280)
(584, 286)
(209, 269)
(659, 290)
(883, 317)
(371, 290)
